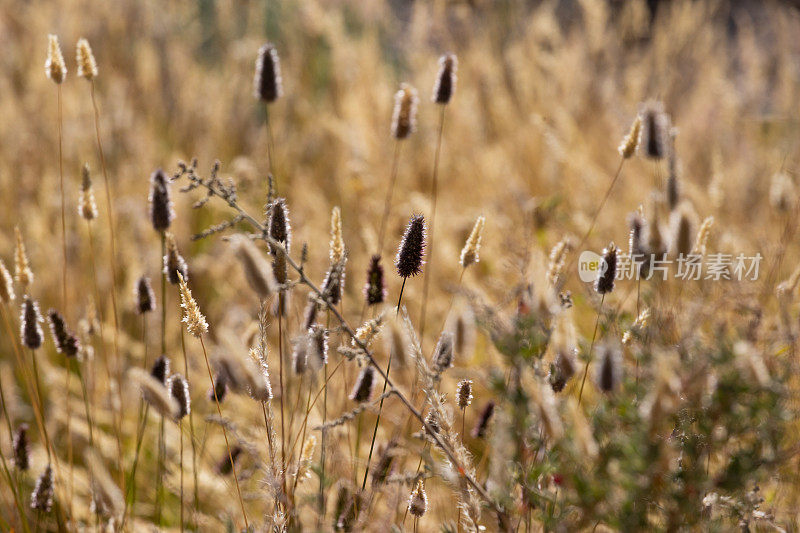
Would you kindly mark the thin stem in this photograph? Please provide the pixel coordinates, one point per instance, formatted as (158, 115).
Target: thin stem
(428, 274)
(64, 305)
(86, 403)
(180, 466)
(591, 346)
(191, 425)
(160, 472)
(387, 204)
(269, 141)
(280, 372)
(163, 296)
(224, 432)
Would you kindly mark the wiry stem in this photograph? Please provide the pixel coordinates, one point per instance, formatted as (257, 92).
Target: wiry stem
(283, 391)
(64, 305)
(224, 433)
(191, 427)
(591, 346)
(345, 326)
(387, 204)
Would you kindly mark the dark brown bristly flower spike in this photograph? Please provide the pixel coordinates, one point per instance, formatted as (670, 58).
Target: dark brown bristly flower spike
(363, 386)
(267, 84)
(42, 495)
(375, 290)
(160, 369)
(224, 467)
(145, 298)
(21, 452)
(404, 119)
(418, 500)
(161, 212)
(30, 324)
(280, 230)
(445, 84)
(483, 421)
(411, 252)
(609, 374)
(220, 387)
(179, 389)
(443, 356)
(66, 342)
(605, 283)
(174, 263)
(655, 132)
(464, 393)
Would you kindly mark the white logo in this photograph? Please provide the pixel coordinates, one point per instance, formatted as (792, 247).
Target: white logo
(591, 266)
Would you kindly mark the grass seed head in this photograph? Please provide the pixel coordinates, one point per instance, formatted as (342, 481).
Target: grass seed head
(655, 131)
(464, 393)
(605, 283)
(195, 322)
(471, 252)
(22, 458)
(6, 284)
(87, 207)
(161, 208)
(145, 298)
(256, 268)
(267, 83)
(418, 500)
(179, 389)
(337, 248)
(42, 495)
(375, 289)
(362, 390)
(30, 324)
(87, 66)
(631, 141)
(55, 67)
(610, 371)
(443, 355)
(445, 84)
(411, 252)
(160, 369)
(22, 271)
(479, 431)
(66, 342)
(404, 118)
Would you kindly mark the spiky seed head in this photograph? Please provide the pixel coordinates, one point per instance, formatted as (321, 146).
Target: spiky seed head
(42, 495)
(55, 67)
(605, 283)
(431, 426)
(701, 242)
(404, 118)
(195, 322)
(87, 207)
(317, 346)
(683, 224)
(483, 420)
(673, 184)
(21, 448)
(333, 284)
(656, 127)
(256, 268)
(160, 369)
(782, 192)
(445, 84)
(220, 388)
(368, 331)
(179, 389)
(280, 229)
(300, 355)
(631, 141)
(610, 370)
(66, 342)
(375, 289)
(337, 241)
(443, 355)
(310, 313)
(6, 284)
(243, 375)
(161, 208)
(267, 83)
(411, 252)
(145, 298)
(175, 265)
(30, 324)
(362, 390)
(22, 271)
(471, 252)
(154, 392)
(87, 66)
(227, 463)
(464, 393)
(558, 256)
(418, 500)
(383, 467)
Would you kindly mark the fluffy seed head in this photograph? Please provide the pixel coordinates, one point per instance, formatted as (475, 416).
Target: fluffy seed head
(6, 284)
(280, 230)
(30, 324)
(174, 264)
(42, 495)
(470, 252)
(195, 322)
(404, 118)
(443, 355)
(226, 464)
(418, 500)
(160, 369)
(374, 289)
(445, 84)
(161, 209)
(267, 84)
(317, 346)
(383, 467)
(609, 374)
(683, 224)
(605, 283)
(179, 389)
(107, 498)
(87, 207)
(464, 393)
(21, 451)
(656, 127)
(256, 268)
(701, 242)
(242, 375)
(154, 392)
(337, 241)
(411, 252)
(22, 271)
(55, 67)
(300, 354)
(66, 342)
(362, 389)
(558, 256)
(631, 141)
(87, 66)
(368, 331)
(145, 298)
(333, 285)
(220, 388)
(483, 421)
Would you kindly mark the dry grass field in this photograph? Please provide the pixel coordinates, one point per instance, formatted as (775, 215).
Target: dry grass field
(325, 265)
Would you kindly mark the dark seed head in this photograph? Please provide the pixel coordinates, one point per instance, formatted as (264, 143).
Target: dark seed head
(21, 452)
(411, 251)
(161, 212)
(267, 81)
(160, 369)
(333, 286)
(226, 464)
(382, 469)
(445, 84)
(375, 290)
(655, 132)
(609, 373)
(30, 327)
(179, 389)
(363, 386)
(42, 495)
(443, 356)
(605, 283)
(220, 387)
(145, 298)
(280, 230)
(65, 341)
(483, 421)
(464, 393)
(174, 263)
(317, 346)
